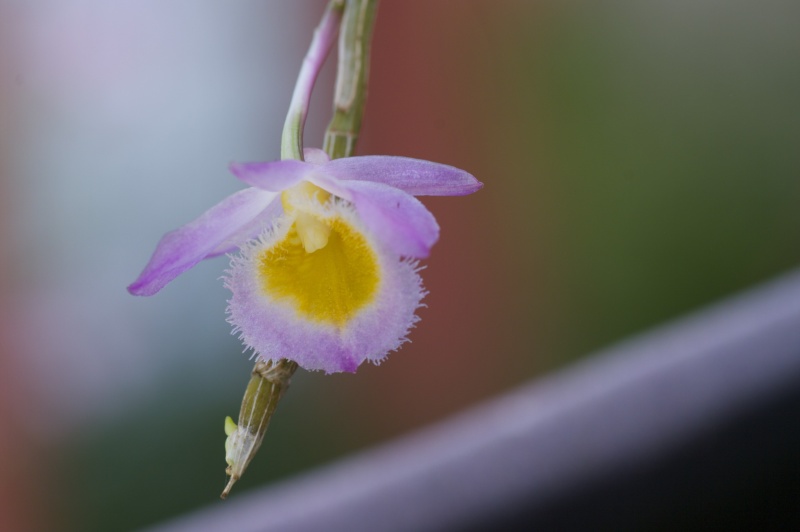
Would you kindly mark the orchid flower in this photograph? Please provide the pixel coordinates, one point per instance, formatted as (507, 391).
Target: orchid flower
(327, 271)
(327, 274)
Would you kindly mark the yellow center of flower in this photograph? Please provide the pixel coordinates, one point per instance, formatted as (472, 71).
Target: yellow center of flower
(325, 267)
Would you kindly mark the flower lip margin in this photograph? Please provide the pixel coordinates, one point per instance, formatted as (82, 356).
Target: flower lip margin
(273, 329)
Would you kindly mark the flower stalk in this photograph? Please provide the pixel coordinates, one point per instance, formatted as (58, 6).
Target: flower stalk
(321, 44)
(269, 382)
(351, 79)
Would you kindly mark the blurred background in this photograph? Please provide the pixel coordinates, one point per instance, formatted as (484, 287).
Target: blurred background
(641, 159)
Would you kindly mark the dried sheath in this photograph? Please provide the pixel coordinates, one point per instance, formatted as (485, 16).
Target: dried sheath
(267, 385)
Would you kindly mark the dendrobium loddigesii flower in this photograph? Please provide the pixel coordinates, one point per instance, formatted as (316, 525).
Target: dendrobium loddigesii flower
(327, 274)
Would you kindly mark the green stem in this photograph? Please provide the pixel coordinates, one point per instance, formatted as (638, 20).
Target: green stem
(355, 39)
(321, 43)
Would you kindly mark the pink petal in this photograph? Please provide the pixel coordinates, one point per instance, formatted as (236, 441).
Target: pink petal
(274, 176)
(315, 156)
(415, 176)
(182, 248)
(264, 220)
(397, 219)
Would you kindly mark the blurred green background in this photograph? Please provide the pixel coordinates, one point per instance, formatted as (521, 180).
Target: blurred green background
(640, 160)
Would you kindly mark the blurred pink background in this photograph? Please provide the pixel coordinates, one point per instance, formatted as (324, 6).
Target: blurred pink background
(639, 158)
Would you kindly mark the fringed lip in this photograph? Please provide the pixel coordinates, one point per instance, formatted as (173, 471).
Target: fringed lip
(275, 329)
